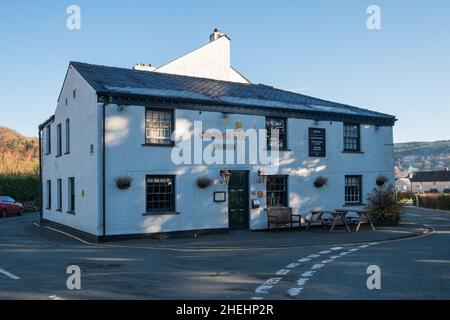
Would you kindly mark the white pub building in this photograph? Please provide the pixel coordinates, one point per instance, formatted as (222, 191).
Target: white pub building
(149, 151)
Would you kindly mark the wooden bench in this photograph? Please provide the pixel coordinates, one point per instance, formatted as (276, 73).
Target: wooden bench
(282, 216)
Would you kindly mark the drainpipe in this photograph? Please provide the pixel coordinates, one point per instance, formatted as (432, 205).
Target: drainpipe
(41, 204)
(104, 171)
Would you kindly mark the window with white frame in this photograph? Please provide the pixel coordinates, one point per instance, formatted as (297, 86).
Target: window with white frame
(159, 125)
(352, 139)
(353, 190)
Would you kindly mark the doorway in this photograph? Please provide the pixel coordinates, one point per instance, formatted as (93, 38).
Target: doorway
(238, 200)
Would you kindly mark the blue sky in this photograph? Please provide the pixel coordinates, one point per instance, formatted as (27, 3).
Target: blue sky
(318, 48)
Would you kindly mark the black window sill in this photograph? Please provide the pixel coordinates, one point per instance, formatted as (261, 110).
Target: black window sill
(47, 154)
(58, 155)
(70, 212)
(284, 149)
(59, 210)
(67, 152)
(48, 208)
(158, 145)
(159, 213)
(351, 151)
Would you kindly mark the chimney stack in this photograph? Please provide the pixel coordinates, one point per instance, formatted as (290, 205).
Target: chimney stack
(215, 35)
(144, 67)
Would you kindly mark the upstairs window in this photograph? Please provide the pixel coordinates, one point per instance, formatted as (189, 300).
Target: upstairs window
(59, 194)
(276, 189)
(353, 189)
(48, 140)
(58, 141)
(276, 133)
(352, 139)
(67, 136)
(159, 125)
(49, 194)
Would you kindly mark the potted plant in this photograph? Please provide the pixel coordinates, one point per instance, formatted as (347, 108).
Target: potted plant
(384, 207)
(381, 180)
(319, 182)
(124, 182)
(204, 182)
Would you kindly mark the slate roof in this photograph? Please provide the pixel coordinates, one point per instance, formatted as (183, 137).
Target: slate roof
(112, 80)
(431, 176)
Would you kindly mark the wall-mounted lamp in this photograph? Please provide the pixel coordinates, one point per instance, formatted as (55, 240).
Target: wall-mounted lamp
(262, 177)
(225, 174)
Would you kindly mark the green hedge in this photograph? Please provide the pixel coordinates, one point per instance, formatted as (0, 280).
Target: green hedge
(433, 201)
(23, 188)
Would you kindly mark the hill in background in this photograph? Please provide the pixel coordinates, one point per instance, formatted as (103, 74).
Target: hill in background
(18, 154)
(421, 156)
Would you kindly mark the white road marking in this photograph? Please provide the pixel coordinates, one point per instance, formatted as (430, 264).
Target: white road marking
(317, 266)
(353, 250)
(308, 274)
(304, 260)
(53, 297)
(282, 272)
(263, 289)
(336, 248)
(373, 243)
(293, 292)
(9, 274)
(326, 261)
(302, 281)
(325, 252)
(292, 265)
(256, 298)
(314, 255)
(363, 246)
(272, 281)
(344, 253)
(436, 218)
(334, 257)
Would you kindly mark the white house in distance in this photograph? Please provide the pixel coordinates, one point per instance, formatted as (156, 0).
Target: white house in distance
(426, 181)
(107, 154)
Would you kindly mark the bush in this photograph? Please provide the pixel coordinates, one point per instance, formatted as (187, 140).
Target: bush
(383, 205)
(431, 201)
(23, 188)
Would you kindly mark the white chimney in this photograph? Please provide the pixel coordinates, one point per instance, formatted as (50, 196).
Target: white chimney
(215, 35)
(144, 67)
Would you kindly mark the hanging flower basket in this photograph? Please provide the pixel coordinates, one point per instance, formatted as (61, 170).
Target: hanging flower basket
(123, 183)
(319, 182)
(381, 180)
(204, 182)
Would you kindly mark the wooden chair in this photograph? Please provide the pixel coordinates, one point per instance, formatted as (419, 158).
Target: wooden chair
(282, 216)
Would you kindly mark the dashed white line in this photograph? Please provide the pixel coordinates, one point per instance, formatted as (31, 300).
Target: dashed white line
(53, 297)
(302, 281)
(9, 274)
(326, 261)
(263, 289)
(282, 272)
(256, 298)
(325, 252)
(353, 250)
(364, 246)
(313, 256)
(317, 266)
(293, 292)
(308, 274)
(292, 265)
(272, 281)
(336, 248)
(304, 259)
(334, 257)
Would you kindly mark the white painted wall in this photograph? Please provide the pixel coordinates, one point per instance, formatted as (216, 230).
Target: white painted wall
(85, 126)
(209, 61)
(419, 187)
(126, 156)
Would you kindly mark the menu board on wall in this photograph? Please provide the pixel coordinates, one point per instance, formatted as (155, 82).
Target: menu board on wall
(317, 142)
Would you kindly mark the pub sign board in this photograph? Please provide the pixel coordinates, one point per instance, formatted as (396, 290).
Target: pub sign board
(317, 142)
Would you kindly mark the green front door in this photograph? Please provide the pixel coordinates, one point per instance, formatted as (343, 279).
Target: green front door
(238, 200)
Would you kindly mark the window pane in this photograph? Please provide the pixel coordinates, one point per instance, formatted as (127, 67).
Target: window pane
(351, 137)
(276, 126)
(353, 189)
(276, 191)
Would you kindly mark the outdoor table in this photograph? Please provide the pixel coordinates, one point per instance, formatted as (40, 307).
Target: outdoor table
(337, 215)
(363, 216)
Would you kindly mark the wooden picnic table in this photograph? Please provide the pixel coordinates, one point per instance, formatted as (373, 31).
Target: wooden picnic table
(363, 217)
(337, 215)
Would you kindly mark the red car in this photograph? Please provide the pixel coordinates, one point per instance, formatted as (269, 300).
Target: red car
(9, 206)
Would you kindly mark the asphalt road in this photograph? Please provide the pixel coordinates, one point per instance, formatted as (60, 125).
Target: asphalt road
(34, 260)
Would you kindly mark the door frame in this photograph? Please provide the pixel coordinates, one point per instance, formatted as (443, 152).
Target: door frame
(247, 198)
